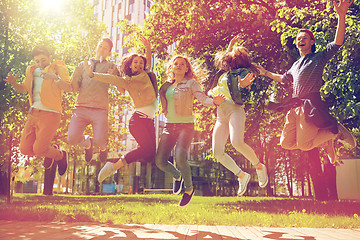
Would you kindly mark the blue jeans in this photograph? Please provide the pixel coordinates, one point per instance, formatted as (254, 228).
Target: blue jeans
(81, 118)
(143, 130)
(179, 134)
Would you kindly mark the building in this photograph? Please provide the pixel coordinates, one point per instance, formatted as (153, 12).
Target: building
(111, 11)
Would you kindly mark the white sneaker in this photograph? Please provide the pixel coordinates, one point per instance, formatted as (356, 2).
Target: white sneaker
(262, 176)
(243, 182)
(106, 171)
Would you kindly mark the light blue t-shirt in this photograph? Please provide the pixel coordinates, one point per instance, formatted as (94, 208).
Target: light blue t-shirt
(171, 114)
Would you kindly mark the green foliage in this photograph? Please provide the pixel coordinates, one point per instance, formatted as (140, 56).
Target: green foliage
(68, 33)
(200, 28)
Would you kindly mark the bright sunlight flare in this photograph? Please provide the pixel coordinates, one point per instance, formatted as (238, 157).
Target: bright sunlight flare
(52, 5)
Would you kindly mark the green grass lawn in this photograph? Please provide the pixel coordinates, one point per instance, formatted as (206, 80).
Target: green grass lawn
(163, 209)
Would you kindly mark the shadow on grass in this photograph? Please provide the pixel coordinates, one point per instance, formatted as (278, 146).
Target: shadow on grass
(285, 206)
(44, 230)
(33, 199)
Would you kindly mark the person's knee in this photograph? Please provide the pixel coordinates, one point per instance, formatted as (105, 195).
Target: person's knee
(305, 146)
(218, 154)
(160, 163)
(100, 142)
(26, 150)
(40, 150)
(288, 144)
(73, 139)
(238, 144)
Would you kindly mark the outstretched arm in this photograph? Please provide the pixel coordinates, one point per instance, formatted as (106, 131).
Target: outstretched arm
(104, 77)
(273, 76)
(12, 80)
(341, 10)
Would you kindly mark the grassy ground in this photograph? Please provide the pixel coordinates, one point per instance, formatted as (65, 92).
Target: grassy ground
(163, 209)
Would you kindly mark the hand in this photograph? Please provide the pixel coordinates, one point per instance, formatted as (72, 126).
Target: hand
(49, 76)
(261, 69)
(246, 82)
(113, 71)
(11, 79)
(87, 68)
(233, 41)
(218, 99)
(145, 41)
(343, 7)
(77, 70)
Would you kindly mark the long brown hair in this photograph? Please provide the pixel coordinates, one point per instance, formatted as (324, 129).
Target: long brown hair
(126, 63)
(239, 57)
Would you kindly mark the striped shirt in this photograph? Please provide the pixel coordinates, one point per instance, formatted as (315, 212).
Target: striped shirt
(306, 73)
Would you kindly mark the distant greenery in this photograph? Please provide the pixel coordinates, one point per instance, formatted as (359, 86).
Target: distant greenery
(163, 209)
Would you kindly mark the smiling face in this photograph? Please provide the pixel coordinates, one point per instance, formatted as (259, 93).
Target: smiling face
(137, 65)
(103, 50)
(42, 61)
(180, 66)
(304, 43)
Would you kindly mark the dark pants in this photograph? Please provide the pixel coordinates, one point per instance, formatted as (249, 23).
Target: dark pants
(143, 130)
(49, 178)
(324, 181)
(179, 134)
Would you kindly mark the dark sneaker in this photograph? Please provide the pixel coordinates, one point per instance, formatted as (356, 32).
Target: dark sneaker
(185, 200)
(178, 186)
(89, 152)
(62, 164)
(103, 155)
(48, 162)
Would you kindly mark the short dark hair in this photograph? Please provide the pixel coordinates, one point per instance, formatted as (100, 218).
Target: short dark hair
(126, 63)
(313, 47)
(40, 50)
(108, 40)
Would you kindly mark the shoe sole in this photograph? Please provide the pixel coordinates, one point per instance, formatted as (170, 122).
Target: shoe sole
(243, 192)
(181, 184)
(104, 177)
(347, 133)
(266, 183)
(189, 201)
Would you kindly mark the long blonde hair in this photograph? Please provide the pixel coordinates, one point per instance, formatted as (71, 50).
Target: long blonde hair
(196, 71)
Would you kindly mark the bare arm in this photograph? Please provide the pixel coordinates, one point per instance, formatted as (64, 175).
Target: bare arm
(341, 11)
(233, 41)
(274, 76)
(12, 80)
(147, 44)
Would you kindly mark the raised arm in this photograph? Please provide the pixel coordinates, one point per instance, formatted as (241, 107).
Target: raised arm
(233, 41)
(341, 10)
(147, 44)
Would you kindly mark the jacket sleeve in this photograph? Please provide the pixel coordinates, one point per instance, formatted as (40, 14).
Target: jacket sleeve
(200, 94)
(62, 71)
(117, 81)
